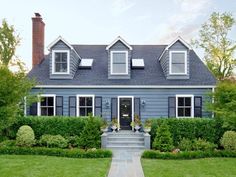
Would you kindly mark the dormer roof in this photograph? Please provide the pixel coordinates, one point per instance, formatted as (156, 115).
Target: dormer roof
(121, 40)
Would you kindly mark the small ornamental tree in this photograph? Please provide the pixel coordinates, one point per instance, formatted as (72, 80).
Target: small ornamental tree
(163, 140)
(90, 136)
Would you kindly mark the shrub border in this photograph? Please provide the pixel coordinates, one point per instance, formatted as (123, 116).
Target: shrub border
(70, 153)
(151, 154)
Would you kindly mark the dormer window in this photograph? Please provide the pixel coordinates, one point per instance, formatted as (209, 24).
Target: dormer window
(119, 62)
(178, 62)
(60, 62)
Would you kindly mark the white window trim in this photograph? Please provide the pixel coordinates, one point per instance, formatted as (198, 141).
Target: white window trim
(192, 105)
(53, 61)
(185, 62)
(77, 103)
(118, 111)
(54, 103)
(126, 60)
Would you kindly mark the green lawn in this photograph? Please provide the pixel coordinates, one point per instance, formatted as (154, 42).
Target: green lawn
(45, 166)
(209, 167)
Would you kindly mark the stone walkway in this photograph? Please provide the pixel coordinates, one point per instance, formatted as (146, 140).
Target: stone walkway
(126, 163)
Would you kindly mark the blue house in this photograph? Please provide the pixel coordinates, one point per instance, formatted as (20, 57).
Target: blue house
(118, 80)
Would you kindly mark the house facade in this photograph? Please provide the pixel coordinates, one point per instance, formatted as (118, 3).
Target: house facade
(118, 80)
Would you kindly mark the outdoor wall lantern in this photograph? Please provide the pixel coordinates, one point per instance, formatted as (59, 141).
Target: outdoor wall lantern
(107, 103)
(143, 103)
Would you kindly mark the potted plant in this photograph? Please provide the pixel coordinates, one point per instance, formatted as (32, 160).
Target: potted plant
(136, 124)
(104, 126)
(147, 126)
(114, 124)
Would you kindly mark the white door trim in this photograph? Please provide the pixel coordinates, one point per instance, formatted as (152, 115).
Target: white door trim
(118, 106)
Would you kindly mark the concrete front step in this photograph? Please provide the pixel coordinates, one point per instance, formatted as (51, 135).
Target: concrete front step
(125, 147)
(121, 143)
(123, 138)
(125, 135)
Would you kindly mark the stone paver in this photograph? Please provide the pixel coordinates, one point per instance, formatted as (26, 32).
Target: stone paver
(126, 163)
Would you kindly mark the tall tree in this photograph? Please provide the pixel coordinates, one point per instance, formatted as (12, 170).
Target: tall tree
(8, 43)
(218, 47)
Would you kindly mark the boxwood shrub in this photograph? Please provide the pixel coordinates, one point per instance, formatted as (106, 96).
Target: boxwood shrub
(71, 153)
(64, 126)
(151, 154)
(205, 128)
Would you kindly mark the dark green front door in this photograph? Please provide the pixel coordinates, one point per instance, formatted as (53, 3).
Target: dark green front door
(125, 113)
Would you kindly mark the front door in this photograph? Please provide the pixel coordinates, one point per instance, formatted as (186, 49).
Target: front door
(125, 113)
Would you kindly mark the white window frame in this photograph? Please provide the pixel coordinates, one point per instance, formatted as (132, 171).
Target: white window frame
(192, 105)
(53, 61)
(39, 103)
(126, 61)
(185, 62)
(77, 103)
(118, 111)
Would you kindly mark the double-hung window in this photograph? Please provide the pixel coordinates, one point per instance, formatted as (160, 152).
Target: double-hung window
(119, 62)
(85, 105)
(184, 105)
(46, 107)
(60, 62)
(178, 62)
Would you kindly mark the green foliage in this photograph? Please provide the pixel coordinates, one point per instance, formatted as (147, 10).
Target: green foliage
(72, 141)
(225, 103)
(196, 145)
(228, 141)
(90, 136)
(151, 154)
(218, 47)
(25, 136)
(8, 143)
(186, 144)
(8, 43)
(209, 129)
(163, 140)
(52, 141)
(71, 153)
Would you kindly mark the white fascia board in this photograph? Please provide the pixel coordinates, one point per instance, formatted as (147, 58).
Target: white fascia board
(119, 39)
(125, 86)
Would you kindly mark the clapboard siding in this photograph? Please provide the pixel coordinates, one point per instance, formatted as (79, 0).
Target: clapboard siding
(156, 99)
(74, 61)
(119, 46)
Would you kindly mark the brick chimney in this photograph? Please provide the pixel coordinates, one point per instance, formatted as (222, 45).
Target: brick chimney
(37, 39)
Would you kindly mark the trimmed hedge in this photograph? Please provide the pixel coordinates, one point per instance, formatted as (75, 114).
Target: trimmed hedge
(205, 128)
(71, 153)
(151, 154)
(64, 126)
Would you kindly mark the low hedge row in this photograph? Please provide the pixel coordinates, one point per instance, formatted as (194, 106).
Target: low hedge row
(204, 128)
(151, 154)
(71, 153)
(57, 125)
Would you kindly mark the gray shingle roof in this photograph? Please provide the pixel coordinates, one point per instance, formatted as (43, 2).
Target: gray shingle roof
(152, 74)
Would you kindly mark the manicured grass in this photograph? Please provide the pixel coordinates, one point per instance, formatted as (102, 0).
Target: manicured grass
(209, 167)
(45, 166)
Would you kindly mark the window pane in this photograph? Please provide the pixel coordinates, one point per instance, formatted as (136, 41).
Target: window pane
(50, 101)
(178, 58)
(44, 101)
(178, 68)
(180, 112)
(187, 112)
(58, 67)
(50, 112)
(119, 68)
(64, 57)
(180, 101)
(187, 101)
(89, 110)
(89, 101)
(82, 111)
(44, 112)
(82, 101)
(119, 58)
(57, 57)
(64, 67)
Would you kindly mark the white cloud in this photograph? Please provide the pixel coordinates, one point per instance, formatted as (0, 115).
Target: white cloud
(121, 6)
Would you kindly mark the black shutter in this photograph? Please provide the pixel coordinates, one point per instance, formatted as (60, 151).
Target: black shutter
(72, 106)
(171, 107)
(33, 109)
(137, 106)
(114, 108)
(59, 105)
(98, 106)
(197, 106)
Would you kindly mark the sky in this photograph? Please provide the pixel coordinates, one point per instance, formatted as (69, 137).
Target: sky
(101, 21)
